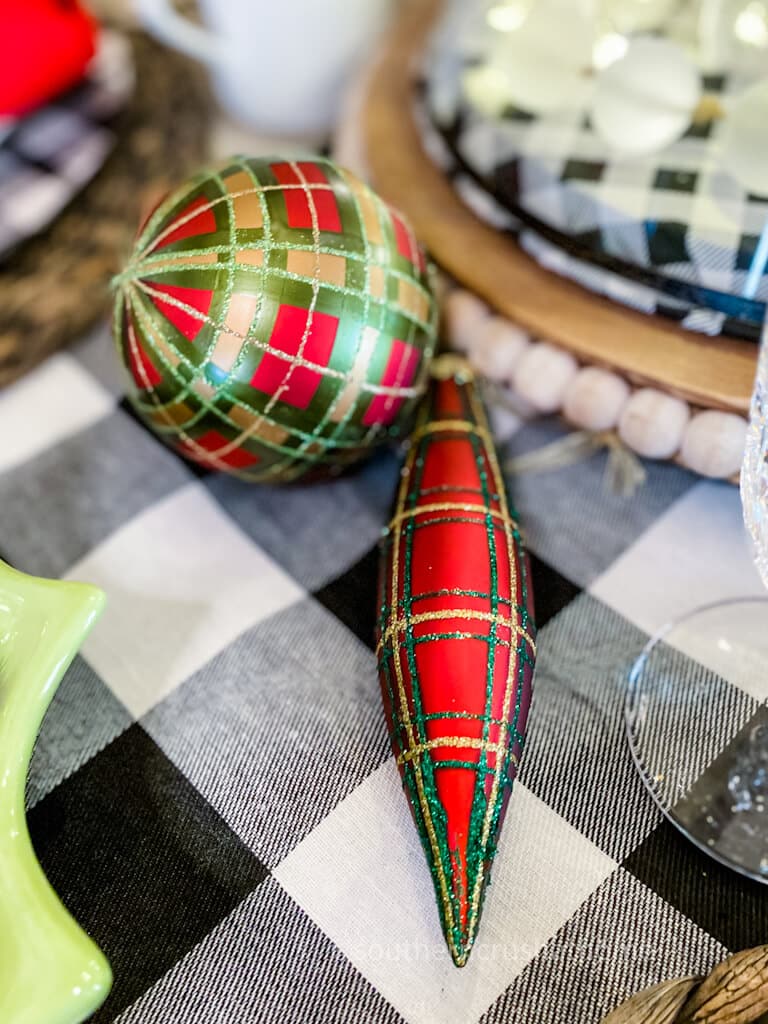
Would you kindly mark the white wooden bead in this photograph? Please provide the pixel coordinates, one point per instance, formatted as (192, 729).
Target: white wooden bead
(594, 399)
(499, 347)
(652, 423)
(542, 376)
(464, 313)
(713, 443)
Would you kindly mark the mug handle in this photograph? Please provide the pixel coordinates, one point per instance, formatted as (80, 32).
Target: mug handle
(166, 24)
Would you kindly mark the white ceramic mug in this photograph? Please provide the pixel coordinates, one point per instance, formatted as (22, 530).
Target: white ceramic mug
(278, 65)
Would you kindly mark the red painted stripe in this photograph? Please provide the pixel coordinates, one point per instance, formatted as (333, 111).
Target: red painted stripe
(143, 370)
(399, 373)
(214, 442)
(272, 372)
(297, 202)
(201, 223)
(187, 323)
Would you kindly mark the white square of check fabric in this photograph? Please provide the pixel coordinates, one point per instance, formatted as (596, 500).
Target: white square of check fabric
(362, 877)
(182, 581)
(695, 553)
(51, 403)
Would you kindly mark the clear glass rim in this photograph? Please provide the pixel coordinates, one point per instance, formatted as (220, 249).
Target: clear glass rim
(630, 707)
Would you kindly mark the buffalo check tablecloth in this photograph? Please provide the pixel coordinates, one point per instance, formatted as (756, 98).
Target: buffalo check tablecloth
(212, 793)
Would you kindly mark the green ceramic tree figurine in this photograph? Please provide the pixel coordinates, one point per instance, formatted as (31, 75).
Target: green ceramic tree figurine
(51, 972)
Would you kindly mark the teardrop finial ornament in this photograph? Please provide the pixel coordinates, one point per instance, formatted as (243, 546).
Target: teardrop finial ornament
(456, 645)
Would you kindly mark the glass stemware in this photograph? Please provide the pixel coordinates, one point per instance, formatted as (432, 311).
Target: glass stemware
(697, 723)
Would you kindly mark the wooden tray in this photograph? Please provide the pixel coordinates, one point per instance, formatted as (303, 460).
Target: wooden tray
(713, 373)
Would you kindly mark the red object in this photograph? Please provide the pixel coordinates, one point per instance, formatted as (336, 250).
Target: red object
(456, 645)
(189, 321)
(45, 47)
(221, 452)
(287, 336)
(196, 219)
(309, 199)
(399, 373)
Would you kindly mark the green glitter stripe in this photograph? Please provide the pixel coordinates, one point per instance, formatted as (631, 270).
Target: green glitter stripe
(479, 853)
(476, 855)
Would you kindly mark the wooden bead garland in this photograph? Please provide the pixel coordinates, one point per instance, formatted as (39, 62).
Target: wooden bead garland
(544, 379)
(464, 313)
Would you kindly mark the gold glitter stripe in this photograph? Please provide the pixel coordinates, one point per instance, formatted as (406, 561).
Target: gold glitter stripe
(453, 741)
(402, 624)
(449, 426)
(451, 506)
(179, 262)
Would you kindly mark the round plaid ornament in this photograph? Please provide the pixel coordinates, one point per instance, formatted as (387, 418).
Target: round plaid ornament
(275, 317)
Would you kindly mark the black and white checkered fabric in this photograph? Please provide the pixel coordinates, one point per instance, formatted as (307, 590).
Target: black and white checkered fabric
(670, 233)
(213, 795)
(48, 156)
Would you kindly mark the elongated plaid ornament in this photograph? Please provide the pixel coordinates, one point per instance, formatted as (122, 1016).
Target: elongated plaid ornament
(456, 644)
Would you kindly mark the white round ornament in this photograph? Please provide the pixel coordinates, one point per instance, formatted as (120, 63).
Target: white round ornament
(645, 101)
(743, 139)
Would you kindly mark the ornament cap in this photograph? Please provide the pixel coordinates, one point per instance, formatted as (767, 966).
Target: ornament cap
(450, 366)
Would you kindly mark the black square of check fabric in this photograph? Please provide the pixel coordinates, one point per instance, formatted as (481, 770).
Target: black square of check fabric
(583, 170)
(731, 908)
(675, 180)
(352, 597)
(746, 251)
(667, 242)
(141, 860)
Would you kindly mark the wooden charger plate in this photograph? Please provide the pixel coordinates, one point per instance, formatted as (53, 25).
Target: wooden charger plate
(712, 373)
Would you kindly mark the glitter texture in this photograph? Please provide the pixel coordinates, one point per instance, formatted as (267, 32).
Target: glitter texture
(456, 645)
(275, 316)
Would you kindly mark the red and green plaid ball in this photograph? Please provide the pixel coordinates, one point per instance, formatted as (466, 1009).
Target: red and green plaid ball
(276, 316)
